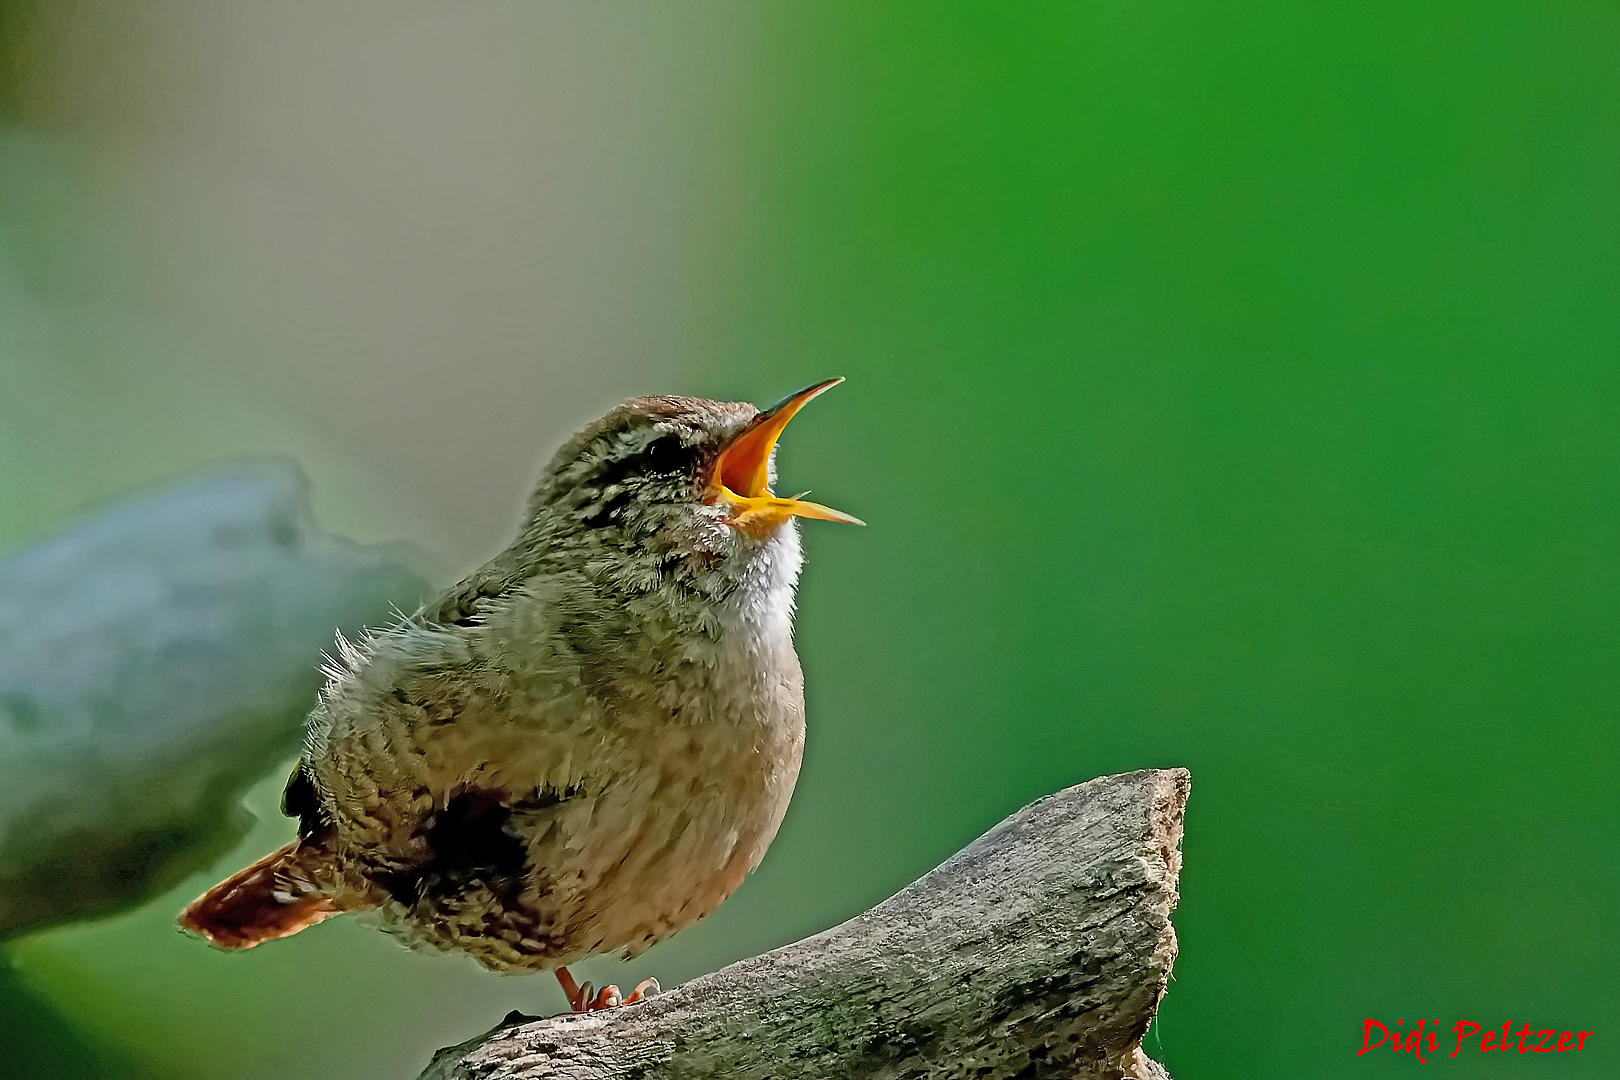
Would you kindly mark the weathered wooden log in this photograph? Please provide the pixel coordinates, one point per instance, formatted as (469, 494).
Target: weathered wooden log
(1040, 950)
(154, 661)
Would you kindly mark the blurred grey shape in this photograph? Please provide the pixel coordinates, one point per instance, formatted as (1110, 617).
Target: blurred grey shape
(155, 661)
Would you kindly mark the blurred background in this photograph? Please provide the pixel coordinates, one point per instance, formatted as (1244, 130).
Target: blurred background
(1232, 387)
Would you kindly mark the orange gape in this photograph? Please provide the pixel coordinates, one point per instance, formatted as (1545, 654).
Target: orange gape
(248, 908)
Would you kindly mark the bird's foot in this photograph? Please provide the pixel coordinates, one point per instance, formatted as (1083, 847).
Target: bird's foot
(610, 998)
(581, 999)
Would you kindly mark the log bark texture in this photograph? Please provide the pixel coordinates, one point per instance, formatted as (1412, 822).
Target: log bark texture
(1040, 950)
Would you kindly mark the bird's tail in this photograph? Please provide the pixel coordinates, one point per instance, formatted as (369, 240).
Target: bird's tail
(268, 900)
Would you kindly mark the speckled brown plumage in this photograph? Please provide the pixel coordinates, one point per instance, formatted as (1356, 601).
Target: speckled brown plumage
(584, 746)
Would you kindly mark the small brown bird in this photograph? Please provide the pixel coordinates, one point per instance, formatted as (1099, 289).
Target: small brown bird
(587, 744)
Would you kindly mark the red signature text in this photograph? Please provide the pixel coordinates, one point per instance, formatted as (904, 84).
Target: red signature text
(1428, 1038)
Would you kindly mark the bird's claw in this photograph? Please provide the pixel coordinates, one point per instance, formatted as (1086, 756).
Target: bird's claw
(582, 1000)
(609, 996)
(645, 989)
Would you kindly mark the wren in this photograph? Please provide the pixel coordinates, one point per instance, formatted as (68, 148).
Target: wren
(587, 744)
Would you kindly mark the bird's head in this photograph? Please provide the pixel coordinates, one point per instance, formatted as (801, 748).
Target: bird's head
(678, 487)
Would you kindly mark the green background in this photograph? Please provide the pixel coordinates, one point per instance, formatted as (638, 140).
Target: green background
(1229, 387)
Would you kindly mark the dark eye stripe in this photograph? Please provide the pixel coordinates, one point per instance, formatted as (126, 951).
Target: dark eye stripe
(608, 491)
(664, 456)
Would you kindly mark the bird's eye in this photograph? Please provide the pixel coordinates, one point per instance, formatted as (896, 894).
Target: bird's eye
(664, 455)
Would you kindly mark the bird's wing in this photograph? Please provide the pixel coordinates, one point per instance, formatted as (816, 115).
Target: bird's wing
(463, 603)
(301, 799)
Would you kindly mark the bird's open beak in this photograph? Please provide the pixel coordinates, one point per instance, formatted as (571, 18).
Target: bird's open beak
(740, 473)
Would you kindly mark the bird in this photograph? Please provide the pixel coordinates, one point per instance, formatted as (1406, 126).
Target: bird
(584, 746)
